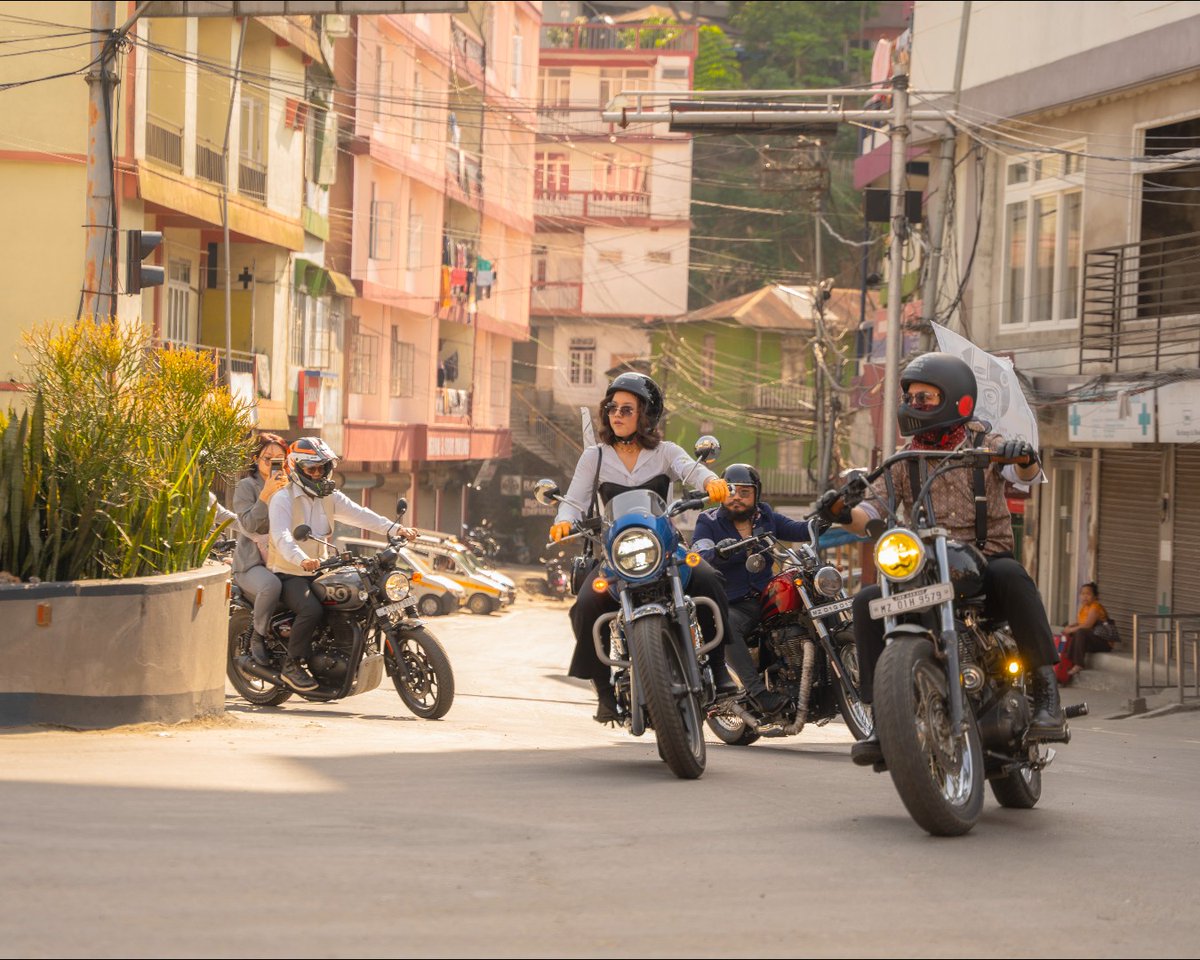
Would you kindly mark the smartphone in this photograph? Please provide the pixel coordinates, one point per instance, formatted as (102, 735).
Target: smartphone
(276, 465)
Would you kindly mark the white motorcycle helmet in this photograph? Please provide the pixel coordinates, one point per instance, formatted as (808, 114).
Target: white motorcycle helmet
(312, 452)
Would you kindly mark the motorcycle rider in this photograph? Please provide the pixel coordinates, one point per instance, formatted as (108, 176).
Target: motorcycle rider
(938, 403)
(311, 498)
(632, 455)
(742, 515)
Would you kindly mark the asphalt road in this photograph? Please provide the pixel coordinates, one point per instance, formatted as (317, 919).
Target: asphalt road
(518, 827)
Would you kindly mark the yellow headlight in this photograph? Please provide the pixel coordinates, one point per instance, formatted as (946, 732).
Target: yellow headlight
(899, 555)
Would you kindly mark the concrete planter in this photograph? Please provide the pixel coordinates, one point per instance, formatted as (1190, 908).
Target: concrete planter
(101, 653)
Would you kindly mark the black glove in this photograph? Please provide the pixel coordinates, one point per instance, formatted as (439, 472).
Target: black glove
(722, 548)
(826, 510)
(1021, 451)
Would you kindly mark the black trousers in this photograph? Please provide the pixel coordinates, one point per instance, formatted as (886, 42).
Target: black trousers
(589, 605)
(744, 616)
(1011, 596)
(298, 595)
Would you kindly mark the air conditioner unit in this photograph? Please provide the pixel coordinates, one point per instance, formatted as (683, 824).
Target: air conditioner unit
(337, 25)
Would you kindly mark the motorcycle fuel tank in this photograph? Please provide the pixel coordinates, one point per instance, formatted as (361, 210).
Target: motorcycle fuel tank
(781, 597)
(341, 589)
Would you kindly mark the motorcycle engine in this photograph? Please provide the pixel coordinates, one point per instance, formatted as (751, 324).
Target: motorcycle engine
(788, 645)
(330, 666)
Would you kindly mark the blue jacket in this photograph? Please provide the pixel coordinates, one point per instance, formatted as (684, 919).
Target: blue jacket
(715, 525)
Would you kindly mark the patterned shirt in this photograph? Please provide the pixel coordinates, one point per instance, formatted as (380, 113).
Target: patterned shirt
(953, 496)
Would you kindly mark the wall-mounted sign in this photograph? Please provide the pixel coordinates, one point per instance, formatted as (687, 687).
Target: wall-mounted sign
(1127, 418)
(1179, 412)
(447, 446)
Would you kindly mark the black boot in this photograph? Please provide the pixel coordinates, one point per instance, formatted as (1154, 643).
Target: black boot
(296, 676)
(726, 687)
(1049, 723)
(258, 650)
(867, 753)
(769, 702)
(606, 711)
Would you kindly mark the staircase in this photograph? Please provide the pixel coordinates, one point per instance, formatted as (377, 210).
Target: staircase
(551, 438)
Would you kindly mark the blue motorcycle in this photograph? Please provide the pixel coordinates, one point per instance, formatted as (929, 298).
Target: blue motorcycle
(658, 656)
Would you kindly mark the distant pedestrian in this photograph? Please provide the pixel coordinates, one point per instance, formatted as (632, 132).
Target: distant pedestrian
(1090, 633)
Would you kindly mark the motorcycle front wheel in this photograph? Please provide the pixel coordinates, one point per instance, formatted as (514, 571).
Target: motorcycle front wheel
(676, 717)
(262, 693)
(421, 673)
(938, 772)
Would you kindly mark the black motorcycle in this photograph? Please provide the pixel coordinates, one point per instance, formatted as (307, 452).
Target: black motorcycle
(951, 703)
(371, 628)
(558, 577)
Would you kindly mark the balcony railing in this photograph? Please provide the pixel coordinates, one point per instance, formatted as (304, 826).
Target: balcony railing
(241, 363)
(606, 37)
(466, 170)
(466, 46)
(556, 296)
(210, 161)
(252, 179)
(794, 398)
(591, 204)
(451, 402)
(565, 121)
(164, 141)
(1141, 300)
(787, 482)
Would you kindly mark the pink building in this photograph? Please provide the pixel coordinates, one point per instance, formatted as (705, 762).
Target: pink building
(432, 218)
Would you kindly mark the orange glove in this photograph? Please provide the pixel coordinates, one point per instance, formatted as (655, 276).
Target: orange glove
(717, 490)
(560, 530)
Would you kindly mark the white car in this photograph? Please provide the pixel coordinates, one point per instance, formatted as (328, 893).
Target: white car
(436, 595)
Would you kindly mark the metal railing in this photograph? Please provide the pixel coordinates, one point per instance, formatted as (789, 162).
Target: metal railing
(780, 397)
(591, 203)
(252, 179)
(600, 37)
(240, 361)
(466, 46)
(1141, 300)
(787, 482)
(556, 296)
(210, 161)
(1174, 634)
(164, 141)
(570, 121)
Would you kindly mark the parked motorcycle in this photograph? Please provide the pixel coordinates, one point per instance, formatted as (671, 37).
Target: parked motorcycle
(805, 643)
(660, 665)
(480, 541)
(950, 694)
(371, 628)
(558, 578)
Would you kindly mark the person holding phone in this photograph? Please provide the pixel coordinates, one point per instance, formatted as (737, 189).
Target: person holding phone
(264, 478)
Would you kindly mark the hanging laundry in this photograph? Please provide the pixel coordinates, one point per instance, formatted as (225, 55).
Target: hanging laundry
(444, 296)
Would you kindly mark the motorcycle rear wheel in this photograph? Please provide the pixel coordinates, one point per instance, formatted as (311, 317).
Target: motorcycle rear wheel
(676, 717)
(859, 717)
(421, 673)
(261, 693)
(733, 730)
(1019, 790)
(939, 776)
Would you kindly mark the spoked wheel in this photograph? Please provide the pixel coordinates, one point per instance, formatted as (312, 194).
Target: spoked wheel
(859, 716)
(421, 673)
(250, 688)
(674, 711)
(1020, 789)
(732, 730)
(937, 771)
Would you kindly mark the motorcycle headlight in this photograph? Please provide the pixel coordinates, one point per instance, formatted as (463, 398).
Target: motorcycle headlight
(396, 586)
(828, 581)
(899, 555)
(636, 552)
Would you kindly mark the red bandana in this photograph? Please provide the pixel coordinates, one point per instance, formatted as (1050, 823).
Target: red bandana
(935, 440)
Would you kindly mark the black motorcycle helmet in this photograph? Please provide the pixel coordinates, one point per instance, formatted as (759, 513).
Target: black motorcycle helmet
(743, 473)
(954, 378)
(644, 388)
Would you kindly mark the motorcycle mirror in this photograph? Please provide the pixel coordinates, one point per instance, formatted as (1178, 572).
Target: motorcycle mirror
(755, 563)
(545, 492)
(707, 448)
(401, 507)
(876, 528)
(302, 532)
(851, 473)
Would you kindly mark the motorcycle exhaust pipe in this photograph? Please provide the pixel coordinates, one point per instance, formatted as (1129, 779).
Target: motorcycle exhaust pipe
(744, 715)
(248, 665)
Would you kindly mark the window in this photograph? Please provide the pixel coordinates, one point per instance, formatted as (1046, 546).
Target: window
(364, 361)
(179, 302)
(296, 333)
(551, 175)
(708, 361)
(381, 228)
(253, 145)
(383, 83)
(1043, 238)
(619, 173)
(611, 256)
(581, 361)
(418, 110)
(659, 256)
(500, 374)
(516, 64)
(311, 332)
(615, 80)
(541, 264)
(403, 355)
(416, 228)
(554, 88)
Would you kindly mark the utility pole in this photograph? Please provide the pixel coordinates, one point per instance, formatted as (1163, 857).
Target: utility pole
(99, 277)
(233, 85)
(937, 218)
(891, 374)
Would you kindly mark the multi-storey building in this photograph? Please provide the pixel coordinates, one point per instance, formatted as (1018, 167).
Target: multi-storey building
(433, 220)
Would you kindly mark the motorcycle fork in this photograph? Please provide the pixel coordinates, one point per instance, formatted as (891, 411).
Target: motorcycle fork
(682, 618)
(826, 643)
(949, 642)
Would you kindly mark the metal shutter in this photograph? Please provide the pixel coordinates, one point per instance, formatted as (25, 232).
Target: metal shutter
(1130, 507)
(1185, 577)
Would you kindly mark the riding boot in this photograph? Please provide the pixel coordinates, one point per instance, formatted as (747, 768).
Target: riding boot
(767, 701)
(258, 650)
(867, 753)
(606, 710)
(1049, 723)
(724, 682)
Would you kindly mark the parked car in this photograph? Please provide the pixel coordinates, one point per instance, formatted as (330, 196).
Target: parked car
(436, 595)
(487, 590)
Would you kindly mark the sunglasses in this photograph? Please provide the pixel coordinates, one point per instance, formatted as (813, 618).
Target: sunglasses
(923, 400)
(741, 489)
(624, 410)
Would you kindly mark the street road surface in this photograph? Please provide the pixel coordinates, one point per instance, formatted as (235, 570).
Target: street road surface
(518, 826)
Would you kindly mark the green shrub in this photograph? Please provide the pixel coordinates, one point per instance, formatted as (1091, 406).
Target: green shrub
(108, 473)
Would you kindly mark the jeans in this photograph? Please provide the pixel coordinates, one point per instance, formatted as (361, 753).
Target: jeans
(263, 587)
(298, 595)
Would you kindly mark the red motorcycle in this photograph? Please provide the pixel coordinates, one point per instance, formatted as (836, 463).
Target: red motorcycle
(804, 643)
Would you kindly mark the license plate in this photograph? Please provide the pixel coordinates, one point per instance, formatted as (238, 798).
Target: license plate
(389, 610)
(920, 599)
(825, 609)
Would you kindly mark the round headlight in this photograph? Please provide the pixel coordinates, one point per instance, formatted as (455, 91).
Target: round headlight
(899, 555)
(396, 585)
(828, 581)
(636, 552)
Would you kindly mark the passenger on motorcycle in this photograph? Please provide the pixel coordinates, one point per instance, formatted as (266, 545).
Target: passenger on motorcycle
(250, 499)
(937, 406)
(311, 498)
(632, 455)
(742, 515)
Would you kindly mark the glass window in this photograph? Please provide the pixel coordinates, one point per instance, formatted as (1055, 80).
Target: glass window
(364, 361)
(403, 365)
(1045, 212)
(1014, 249)
(581, 361)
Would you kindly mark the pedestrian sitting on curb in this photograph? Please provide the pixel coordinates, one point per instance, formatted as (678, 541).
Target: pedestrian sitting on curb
(1092, 632)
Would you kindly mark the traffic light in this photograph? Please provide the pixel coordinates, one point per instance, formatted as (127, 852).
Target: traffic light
(139, 244)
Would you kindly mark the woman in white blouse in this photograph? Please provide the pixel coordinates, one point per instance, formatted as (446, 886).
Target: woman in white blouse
(632, 456)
